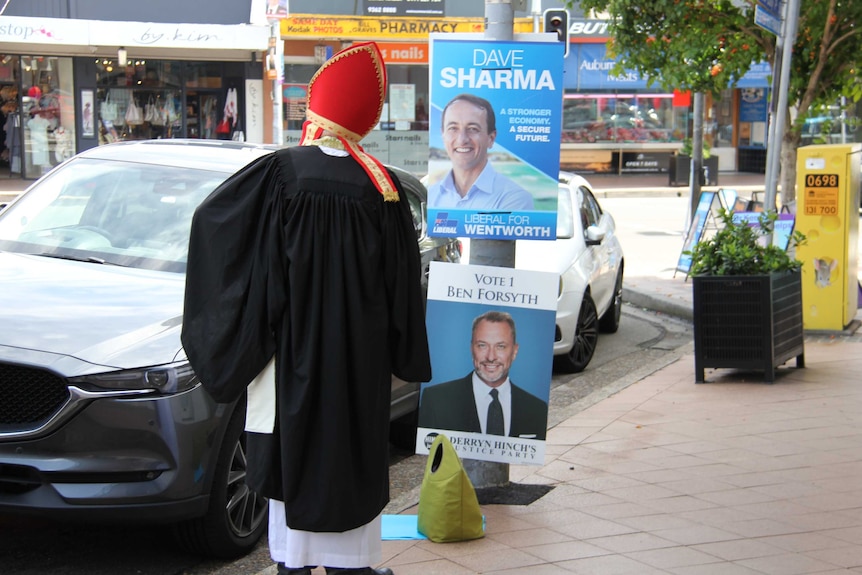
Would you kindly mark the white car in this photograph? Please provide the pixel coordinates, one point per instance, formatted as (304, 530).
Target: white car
(589, 258)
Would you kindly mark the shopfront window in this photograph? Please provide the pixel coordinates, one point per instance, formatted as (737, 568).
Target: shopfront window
(151, 99)
(719, 126)
(402, 139)
(753, 117)
(139, 74)
(294, 99)
(48, 112)
(140, 101)
(623, 118)
(139, 114)
(10, 119)
(207, 75)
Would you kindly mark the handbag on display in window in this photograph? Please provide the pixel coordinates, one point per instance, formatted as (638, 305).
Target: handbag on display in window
(108, 109)
(153, 113)
(223, 126)
(238, 135)
(230, 107)
(134, 116)
(171, 113)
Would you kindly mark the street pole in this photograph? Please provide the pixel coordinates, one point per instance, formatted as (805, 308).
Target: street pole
(536, 10)
(788, 28)
(499, 25)
(277, 111)
(696, 154)
(772, 167)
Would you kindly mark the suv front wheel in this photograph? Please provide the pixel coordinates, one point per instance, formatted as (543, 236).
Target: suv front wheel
(237, 516)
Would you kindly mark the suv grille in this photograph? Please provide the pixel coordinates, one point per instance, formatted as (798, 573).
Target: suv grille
(28, 396)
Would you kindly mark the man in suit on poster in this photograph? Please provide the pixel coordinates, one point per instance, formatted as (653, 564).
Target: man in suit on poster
(486, 400)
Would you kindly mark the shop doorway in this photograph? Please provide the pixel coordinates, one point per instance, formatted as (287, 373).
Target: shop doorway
(37, 114)
(10, 119)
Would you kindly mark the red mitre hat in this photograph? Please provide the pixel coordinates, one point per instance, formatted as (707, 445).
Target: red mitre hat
(345, 97)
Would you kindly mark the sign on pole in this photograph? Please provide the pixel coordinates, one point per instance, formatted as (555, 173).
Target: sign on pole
(474, 349)
(518, 86)
(702, 214)
(767, 19)
(767, 15)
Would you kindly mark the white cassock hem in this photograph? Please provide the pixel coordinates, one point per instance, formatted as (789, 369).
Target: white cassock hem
(360, 547)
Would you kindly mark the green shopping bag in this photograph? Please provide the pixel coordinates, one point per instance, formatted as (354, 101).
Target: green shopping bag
(448, 507)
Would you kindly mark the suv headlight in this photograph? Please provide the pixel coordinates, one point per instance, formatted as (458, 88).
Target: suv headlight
(170, 378)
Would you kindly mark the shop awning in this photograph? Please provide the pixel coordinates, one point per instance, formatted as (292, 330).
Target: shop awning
(67, 37)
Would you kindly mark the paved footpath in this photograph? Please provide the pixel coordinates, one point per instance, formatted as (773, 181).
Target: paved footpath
(662, 475)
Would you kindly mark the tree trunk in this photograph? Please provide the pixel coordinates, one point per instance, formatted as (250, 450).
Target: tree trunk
(789, 147)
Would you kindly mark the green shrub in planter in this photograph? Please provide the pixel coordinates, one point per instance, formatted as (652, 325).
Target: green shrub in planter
(739, 249)
(688, 147)
(747, 299)
(679, 166)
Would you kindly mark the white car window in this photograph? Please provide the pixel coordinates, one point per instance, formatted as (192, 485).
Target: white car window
(565, 221)
(591, 213)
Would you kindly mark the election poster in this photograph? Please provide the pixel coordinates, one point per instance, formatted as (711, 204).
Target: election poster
(494, 137)
(695, 230)
(491, 338)
(782, 227)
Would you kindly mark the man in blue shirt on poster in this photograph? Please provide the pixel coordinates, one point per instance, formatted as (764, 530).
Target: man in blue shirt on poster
(469, 130)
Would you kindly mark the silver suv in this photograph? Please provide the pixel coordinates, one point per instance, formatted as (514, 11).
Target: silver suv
(101, 416)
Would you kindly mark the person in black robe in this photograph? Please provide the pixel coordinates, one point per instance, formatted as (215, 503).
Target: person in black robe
(304, 281)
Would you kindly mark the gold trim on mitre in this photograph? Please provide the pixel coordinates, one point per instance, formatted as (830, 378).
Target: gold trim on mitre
(331, 126)
(328, 142)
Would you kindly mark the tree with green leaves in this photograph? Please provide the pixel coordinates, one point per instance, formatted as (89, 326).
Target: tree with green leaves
(708, 45)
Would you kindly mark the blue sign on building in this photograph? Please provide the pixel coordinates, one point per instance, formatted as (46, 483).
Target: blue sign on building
(589, 67)
(591, 70)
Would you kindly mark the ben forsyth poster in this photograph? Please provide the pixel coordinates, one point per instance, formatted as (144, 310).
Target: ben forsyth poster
(494, 135)
(489, 328)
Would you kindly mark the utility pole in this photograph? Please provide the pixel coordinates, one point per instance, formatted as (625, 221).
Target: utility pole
(277, 107)
(499, 25)
(696, 170)
(772, 167)
(789, 26)
(537, 15)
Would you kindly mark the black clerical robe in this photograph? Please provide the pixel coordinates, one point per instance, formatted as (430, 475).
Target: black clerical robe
(298, 257)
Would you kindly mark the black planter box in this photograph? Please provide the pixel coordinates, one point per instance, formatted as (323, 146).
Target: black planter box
(679, 167)
(748, 322)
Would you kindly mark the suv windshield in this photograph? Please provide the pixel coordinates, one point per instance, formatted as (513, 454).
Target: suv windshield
(122, 213)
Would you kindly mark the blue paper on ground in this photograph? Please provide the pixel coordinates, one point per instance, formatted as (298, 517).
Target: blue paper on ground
(403, 527)
(400, 527)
